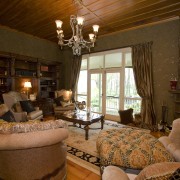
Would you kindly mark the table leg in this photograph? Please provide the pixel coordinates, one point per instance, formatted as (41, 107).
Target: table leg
(102, 122)
(86, 128)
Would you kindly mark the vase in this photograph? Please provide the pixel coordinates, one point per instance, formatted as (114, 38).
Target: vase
(173, 84)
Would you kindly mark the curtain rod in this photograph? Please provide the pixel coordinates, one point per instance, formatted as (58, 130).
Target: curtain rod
(121, 47)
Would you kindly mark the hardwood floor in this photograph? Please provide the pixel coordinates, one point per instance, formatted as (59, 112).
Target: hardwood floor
(76, 172)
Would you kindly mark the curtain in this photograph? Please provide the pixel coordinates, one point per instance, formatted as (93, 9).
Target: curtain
(142, 68)
(75, 70)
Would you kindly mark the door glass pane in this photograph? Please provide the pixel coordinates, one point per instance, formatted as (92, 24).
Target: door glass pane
(131, 98)
(96, 92)
(113, 60)
(112, 93)
(96, 62)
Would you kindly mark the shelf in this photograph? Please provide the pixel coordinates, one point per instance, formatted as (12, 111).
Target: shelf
(177, 101)
(174, 91)
(16, 76)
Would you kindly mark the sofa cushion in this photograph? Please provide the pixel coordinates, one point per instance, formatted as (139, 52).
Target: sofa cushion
(31, 126)
(58, 101)
(27, 106)
(65, 104)
(8, 116)
(131, 148)
(61, 108)
(159, 171)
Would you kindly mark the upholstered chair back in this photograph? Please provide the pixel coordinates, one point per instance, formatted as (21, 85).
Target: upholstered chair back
(175, 133)
(13, 97)
(67, 95)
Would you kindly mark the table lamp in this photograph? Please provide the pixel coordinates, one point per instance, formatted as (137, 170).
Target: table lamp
(27, 85)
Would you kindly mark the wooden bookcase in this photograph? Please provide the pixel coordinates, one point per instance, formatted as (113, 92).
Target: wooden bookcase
(43, 75)
(5, 79)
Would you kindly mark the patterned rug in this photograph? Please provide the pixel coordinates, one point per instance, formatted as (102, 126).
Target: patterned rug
(83, 152)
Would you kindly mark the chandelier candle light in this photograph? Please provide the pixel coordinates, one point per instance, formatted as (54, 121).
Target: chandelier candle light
(76, 41)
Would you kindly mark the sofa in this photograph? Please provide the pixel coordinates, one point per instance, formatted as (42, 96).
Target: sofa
(15, 100)
(63, 102)
(33, 150)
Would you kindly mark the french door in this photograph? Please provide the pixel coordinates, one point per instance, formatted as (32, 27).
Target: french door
(105, 92)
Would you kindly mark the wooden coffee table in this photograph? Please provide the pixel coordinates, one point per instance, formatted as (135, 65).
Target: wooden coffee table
(81, 118)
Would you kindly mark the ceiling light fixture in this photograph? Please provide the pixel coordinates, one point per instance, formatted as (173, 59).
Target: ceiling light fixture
(77, 41)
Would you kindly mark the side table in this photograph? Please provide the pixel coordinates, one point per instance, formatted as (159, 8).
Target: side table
(45, 104)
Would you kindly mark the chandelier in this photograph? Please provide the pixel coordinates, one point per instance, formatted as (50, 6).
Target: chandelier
(77, 41)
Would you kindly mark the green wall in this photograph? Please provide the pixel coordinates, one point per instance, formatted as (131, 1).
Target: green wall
(165, 56)
(12, 41)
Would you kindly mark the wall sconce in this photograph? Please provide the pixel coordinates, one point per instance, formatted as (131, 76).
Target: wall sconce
(27, 85)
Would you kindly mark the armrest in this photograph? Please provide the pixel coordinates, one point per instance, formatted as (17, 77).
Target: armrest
(36, 108)
(115, 173)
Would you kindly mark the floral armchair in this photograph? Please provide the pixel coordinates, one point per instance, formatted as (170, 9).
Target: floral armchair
(63, 101)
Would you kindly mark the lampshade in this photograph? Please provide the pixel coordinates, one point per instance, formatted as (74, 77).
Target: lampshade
(27, 84)
(80, 20)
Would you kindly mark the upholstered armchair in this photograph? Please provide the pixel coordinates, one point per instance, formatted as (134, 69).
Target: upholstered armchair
(126, 118)
(33, 150)
(63, 101)
(14, 99)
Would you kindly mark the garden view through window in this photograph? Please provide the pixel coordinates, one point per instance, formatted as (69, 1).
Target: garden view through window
(106, 82)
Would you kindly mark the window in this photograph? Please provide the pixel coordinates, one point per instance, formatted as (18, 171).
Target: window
(115, 89)
(82, 83)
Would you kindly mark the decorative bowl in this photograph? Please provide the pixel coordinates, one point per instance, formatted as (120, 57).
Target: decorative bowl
(80, 105)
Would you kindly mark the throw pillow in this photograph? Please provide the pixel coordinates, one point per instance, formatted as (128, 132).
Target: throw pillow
(58, 101)
(65, 104)
(126, 116)
(159, 171)
(8, 116)
(27, 106)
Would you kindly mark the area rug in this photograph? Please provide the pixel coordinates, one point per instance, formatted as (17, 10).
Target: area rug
(83, 152)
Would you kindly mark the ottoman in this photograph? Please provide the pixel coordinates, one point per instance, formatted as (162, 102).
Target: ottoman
(130, 148)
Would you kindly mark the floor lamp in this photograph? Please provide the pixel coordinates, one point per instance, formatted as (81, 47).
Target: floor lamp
(27, 85)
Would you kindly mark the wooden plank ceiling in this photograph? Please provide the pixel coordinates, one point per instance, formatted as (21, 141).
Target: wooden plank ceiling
(37, 17)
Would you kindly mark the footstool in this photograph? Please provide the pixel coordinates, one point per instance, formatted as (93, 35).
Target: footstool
(130, 148)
